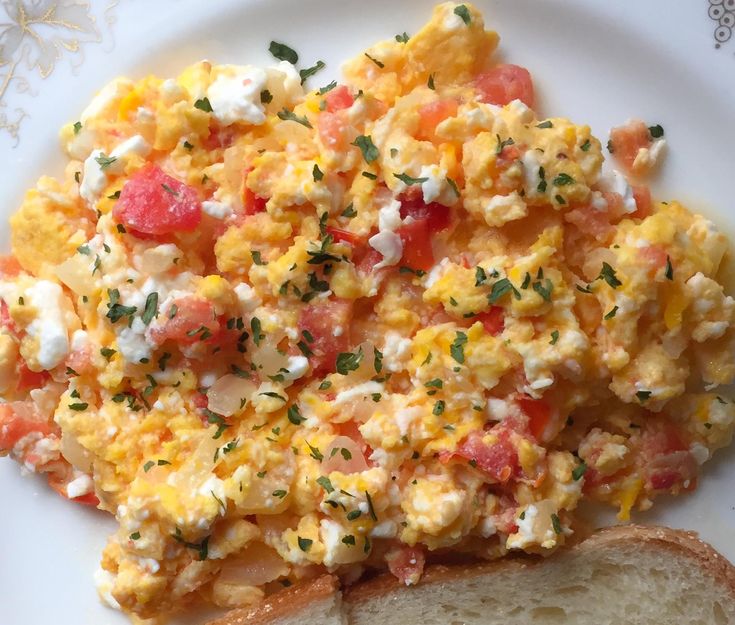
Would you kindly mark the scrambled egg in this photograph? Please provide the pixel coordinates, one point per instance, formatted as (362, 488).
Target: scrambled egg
(312, 329)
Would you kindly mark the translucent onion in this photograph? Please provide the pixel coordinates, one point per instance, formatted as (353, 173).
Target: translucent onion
(75, 454)
(256, 565)
(75, 273)
(228, 394)
(343, 455)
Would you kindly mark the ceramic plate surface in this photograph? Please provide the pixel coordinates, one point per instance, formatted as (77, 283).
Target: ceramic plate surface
(671, 63)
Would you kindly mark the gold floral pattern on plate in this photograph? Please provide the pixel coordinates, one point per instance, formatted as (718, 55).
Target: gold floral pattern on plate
(34, 36)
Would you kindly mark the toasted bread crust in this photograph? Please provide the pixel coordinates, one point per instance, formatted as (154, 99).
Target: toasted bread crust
(287, 602)
(677, 542)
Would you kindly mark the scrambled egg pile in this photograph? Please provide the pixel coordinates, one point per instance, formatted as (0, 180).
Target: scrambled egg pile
(275, 330)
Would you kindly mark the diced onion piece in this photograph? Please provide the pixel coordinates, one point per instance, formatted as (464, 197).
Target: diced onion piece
(75, 273)
(75, 454)
(269, 360)
(229, 394)
(256, 565)
(343, 455)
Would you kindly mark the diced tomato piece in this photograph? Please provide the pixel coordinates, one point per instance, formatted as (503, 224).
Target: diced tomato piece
(654, 256)
(493, 320)
(253, 204)
(194, 320)
(339, 98)
(6, 321)
(591, 222)
(418, 253)
(344, 236)
(508, 155)
(538, 412)
(9, 266)
(219, 137)
(499, 460)
(367, 259)
(643, 202)
(625, 142)
(322, 321)
(432, 114)
(506, 83)
(413, 205)
(332, 127)
(666, 471)
(18, 419)
(28, 379)
(406, 563)
(152, 202)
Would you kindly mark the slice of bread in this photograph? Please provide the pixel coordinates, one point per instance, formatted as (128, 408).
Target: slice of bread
(318, 602)
(621, 575)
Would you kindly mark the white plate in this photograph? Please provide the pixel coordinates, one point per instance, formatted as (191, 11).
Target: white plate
(594, 62)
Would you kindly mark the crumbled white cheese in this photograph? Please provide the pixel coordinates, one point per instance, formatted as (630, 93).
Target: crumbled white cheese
(389, 216)
(435, 184)
(131, 342)
(218, 210)
(79, 340)
(235, 95)
(389, 245)
(104, 580)
(616, 182)
(297, 367)
(79, 486)
(248, 297)
(49, 326)
(396, 351)
(135, 145)
(94, 180)
(531, 166)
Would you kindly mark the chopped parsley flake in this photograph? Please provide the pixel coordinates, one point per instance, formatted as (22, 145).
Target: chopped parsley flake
(105, 161)
(367, 147)
(554, 337)
(607, 273)
(310, 71)
(294, 415)
(402, 38)
(656, 131)
(266, 97)
(556, 523)
(612, 313)
(502, 143)
(643, 395)
(408, 180)
(380, 64)
(287, 115)
(463, 12)
(579, 471)
(347, 361)
(669, 271)
(439, 407)
(563, 180)
(203, 104)
(151, 308)
(283, 52)
(456, 349)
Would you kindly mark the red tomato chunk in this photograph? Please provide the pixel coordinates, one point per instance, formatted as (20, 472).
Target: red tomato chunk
(505, 83)
(152, 202)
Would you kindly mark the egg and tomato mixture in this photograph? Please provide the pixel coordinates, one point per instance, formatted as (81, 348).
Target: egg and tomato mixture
(276, 330)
